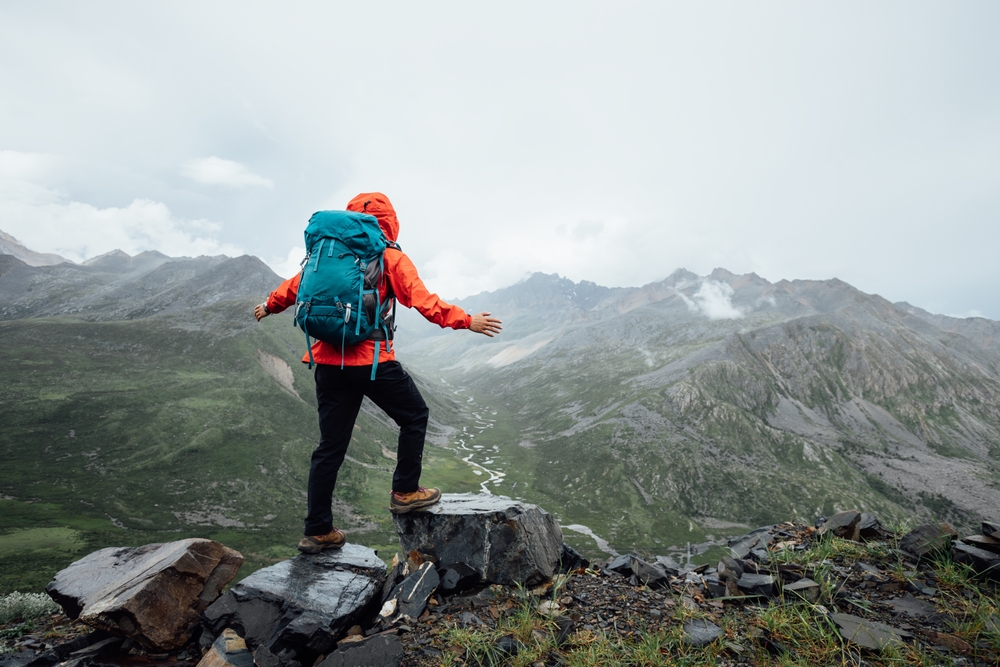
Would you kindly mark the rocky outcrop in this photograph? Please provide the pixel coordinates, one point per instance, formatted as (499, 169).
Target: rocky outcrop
(298, 609)
(503, 541)
(229, 650)
(152, 594)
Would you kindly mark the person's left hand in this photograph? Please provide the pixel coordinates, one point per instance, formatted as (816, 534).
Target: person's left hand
(484, 324)
(260, 312)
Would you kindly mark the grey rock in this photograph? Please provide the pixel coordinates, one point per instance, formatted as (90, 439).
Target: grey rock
(152, 594)
(982, 542)
(85, 657)
(843, 524)
(648, 574)
(729, 568)
(928, 539)
(670, 566)
(622, 565)
(866, 634)
(570, 559)
(700, 632)
(508, 645)
(298, 608)
(383, 650)
(742, 547)
(805, 588)
(985, 563)
(229, 650)
(468, 618)
(716, 586)
(759, 538)
(870, 528)
(395, 576)
(457, 578)
(756, 584)
(912, 606)
(411, 596)
(565, 625)
(991, 529)
(506, 541)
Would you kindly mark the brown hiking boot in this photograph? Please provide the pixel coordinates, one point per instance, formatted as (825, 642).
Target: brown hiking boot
(401, 503)
(313, 544)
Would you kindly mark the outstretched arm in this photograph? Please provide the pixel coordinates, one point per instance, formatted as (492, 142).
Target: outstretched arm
(279, 299)
(484, 324)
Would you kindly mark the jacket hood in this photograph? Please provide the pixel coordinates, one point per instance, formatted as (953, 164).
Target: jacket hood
(377, 204)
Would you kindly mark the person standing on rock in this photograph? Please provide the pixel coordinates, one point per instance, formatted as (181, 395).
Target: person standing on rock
(344, 379)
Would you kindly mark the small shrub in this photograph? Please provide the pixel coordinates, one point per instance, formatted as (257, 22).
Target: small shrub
(25, 607)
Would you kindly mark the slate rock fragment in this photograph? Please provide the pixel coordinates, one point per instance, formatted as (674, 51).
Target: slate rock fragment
(570, 559)
(984, 563)
(870, 529)
(912, 606)
(756, 584)
(456, 578)
(621, 565)
(409, 600)
(229, 650)
(669, 565)
(991, 529)
(381, 650)
(298, 608)
(983, 542)
(506, 541)
(152, 594)
(648, 574)
(928, 539)
(805, 588)
(867, 634)
(699, 632)
(843, 525)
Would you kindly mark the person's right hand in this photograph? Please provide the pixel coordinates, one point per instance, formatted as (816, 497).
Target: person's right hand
(260, 312)
(484, 324)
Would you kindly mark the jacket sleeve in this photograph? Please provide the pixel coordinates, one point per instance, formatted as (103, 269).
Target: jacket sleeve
(284, 296)
(411, 292)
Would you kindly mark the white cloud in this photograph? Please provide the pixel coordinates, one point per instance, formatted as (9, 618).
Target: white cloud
(46, 221)
(969, 313)
(18, 166)
(216, 171)
(288, 266)
(714, 300)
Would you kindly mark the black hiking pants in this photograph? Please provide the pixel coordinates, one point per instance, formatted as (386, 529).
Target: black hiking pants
(339, 392)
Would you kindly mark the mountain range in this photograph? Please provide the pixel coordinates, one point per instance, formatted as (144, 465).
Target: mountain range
(140, 395)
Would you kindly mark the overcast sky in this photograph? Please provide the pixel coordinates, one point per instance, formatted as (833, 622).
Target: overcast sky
(612, 142)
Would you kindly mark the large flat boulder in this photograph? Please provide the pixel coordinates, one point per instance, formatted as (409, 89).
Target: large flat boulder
(299, 608)
(153, 594)
(505, 541)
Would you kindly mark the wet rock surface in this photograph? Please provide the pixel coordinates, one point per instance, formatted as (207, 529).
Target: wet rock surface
(505, 541)
(874, 601)
(383, 650)
(152, 594)
(298, 608)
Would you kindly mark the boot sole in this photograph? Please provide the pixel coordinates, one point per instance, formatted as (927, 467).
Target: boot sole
(403, 509)
(319, 547)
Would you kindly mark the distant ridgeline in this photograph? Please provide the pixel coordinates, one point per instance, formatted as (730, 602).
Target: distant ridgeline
(139, 395)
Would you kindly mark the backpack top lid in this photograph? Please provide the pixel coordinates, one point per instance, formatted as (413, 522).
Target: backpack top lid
(358, 232)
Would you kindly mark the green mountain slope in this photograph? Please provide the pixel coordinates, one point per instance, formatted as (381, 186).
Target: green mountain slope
(145, 415)
(690, 407)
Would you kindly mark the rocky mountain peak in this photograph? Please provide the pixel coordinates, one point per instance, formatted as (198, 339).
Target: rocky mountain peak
(11, 246)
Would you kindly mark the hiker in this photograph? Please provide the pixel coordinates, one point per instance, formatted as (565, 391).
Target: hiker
(344, 376)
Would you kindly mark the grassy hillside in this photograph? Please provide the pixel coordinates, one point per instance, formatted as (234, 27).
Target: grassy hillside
(136, 431)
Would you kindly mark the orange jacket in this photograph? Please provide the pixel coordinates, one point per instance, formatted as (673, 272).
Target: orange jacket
(407, 287)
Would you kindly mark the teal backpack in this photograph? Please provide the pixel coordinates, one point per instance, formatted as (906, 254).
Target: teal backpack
(338, 300)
